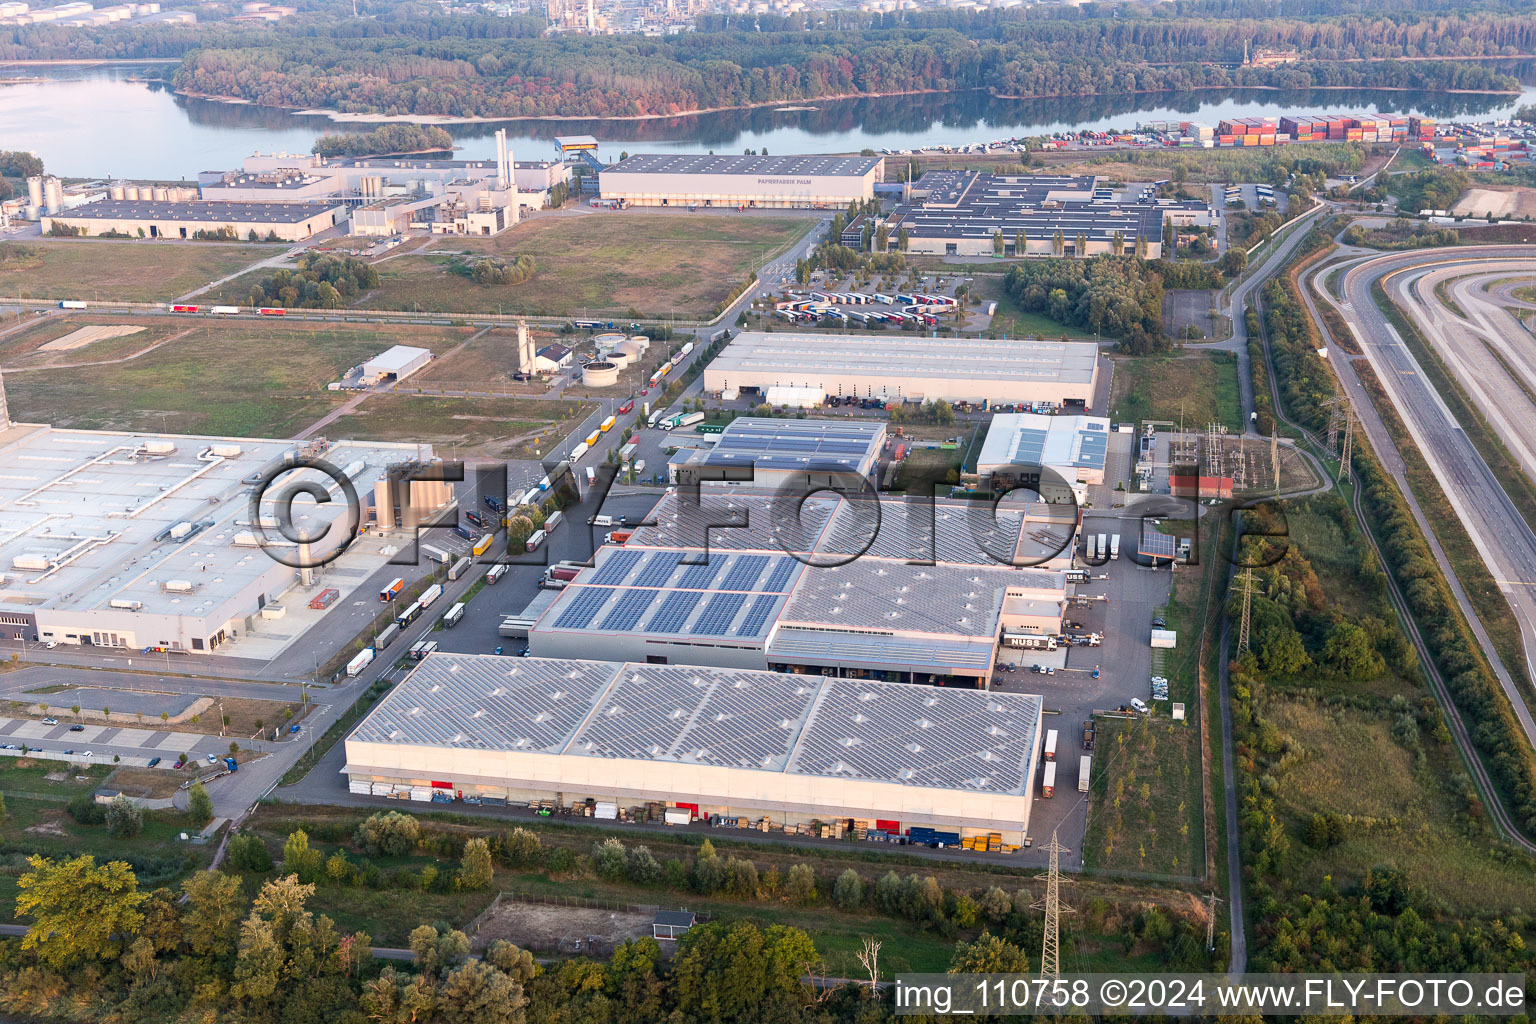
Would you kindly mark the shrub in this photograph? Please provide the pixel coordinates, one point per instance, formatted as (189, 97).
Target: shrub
(249, 853)
(848, 890)
(475, 869)
(389, 834)
(86, 811)
(124, 818)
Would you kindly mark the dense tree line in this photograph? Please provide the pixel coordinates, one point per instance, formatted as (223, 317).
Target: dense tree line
(1434, 188)
(322, 281)
(386, 139)
(422, 64)
(105, 945)
(493, 270)
(1401, 234)
(1117, 296)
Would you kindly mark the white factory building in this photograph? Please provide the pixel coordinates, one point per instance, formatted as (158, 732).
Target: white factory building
(884, 589)
(780, 182)
(391, 195)
(766, 454)
(395, 363)
(789, 748)
(133, 539)
(289, 221)
(1072, 448)
(905, 368)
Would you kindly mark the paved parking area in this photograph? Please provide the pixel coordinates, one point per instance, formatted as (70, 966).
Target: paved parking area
(1124, 661)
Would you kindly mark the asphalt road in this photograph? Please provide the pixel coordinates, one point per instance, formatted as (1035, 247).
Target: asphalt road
(1500, 533)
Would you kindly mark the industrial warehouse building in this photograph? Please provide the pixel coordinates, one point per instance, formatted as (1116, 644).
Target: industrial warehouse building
(780, 182)
(791, 748)
(396, 363)
(305, 176)
(904, 368)
(962, 213)
(764, 453)
(133, 540)
(1074, 448)
(867, 588)
(291, 222)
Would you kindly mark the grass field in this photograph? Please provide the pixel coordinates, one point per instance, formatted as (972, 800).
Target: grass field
(1195, 388)
(25, 349)
(1403, 812)
(131, 271)
(500, 427)
(657, 265)
(235, 378)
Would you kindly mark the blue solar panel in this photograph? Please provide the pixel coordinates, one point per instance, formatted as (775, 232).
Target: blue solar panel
(717, 615)
(757, 615)
(628, 609)
(578, 614)
(616, 567)
(658, 570)
(744, 572)
(674, 611)
(700, 576)
(779, 578)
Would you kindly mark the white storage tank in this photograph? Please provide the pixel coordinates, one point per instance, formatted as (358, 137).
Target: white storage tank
(599, 375)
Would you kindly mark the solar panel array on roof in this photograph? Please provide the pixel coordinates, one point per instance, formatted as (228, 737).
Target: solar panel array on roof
(658, 569)
(757, 615)
(616, 567)
(628, 609)
(962, 740)
(578, 614)
(795, 444)
(718, 614)
(1155, 545)
(744, 572)
(674, 611)
(702, 575)
(782, 573)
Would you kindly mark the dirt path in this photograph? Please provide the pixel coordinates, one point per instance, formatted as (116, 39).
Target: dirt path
(103, 362)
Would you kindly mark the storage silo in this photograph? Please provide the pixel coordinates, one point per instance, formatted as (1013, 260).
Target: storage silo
(115, 190)
(53, 195)
(35, 190)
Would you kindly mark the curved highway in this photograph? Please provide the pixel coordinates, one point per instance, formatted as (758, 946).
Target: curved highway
(1501, 535)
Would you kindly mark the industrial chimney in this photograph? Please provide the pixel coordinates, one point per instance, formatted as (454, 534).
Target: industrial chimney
(503, 162)
(5, 415)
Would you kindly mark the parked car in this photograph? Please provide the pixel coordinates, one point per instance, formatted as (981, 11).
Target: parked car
(50, 721)
(153, 761)
(179, 763)
(213, 758)
(1140, 705)
(1159, 681)
(77, 728)
(87, 754)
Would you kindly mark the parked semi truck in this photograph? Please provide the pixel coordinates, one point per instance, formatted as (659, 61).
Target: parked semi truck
(1114, 546)
(1084, 772)
(1048, 780)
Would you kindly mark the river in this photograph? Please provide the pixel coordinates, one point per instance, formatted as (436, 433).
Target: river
(99, 122)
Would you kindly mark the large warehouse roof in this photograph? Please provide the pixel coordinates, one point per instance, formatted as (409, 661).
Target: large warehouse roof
(203, 211)
(692, 163)
(777, 444)
(747, 721)
(795, 356)
(1077, 442)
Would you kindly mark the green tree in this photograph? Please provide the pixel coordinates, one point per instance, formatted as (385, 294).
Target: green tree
(848, 890)
(80, 910)
(475, 870)
(1348, 651)
(299, 859)
(1233, 262)
(1281, 651)
(213, 907)
(801, 884)
(390, 834)
(199, 805)
(988, 954)
(124, 818)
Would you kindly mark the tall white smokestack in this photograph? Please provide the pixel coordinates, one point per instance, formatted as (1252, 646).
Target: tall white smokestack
(5, 415)
(503, 168)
